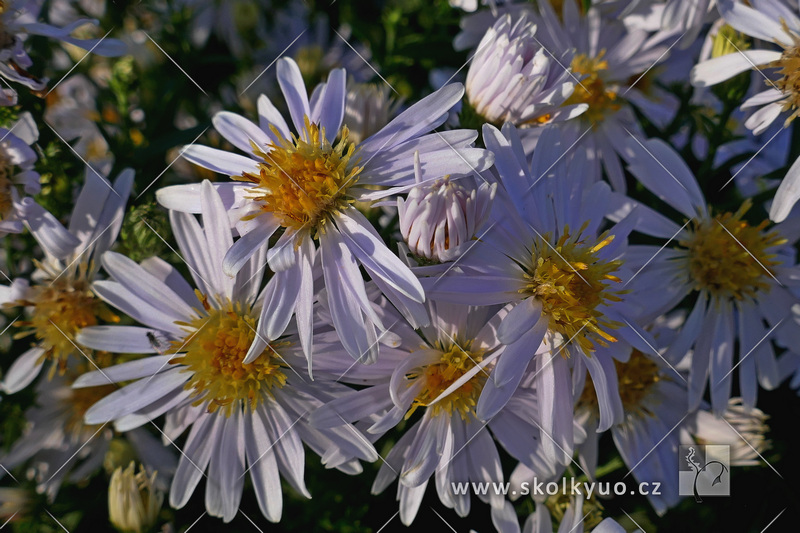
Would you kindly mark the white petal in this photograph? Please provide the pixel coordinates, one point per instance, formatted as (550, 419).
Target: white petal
(135, 396)
(226, 163)
(139, 368)
(23, 371)
(240, 132)
(722, 68)
(294, 91)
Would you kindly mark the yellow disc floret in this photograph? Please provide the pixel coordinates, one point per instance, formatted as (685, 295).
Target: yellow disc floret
(58, 310)
(213, 353)
(728, 257)
(455, 362)
(571, 283)
(635, 379)
(305, 179)
(789, 69)
(592, 88)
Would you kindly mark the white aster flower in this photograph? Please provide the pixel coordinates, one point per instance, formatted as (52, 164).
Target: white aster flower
(18, 19)
(196, 341)
(653, 403)
(59, 447)
(738, 274)
(770, 21)
(546, 255)
(512, 78)
(609, 58)
(438, 372)
(440, 218)
(305, 183)
(18, 179)
(60, 301)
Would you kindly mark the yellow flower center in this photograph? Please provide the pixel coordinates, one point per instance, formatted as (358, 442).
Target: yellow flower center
(454, 363)
(570, 282)
(789, 69)
(635, 378)
(60, 309)
(728, 257)
(304, 180)
(213, 353)
(592, 88)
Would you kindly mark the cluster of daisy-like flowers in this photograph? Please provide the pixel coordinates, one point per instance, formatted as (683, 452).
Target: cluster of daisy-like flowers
(499, 272)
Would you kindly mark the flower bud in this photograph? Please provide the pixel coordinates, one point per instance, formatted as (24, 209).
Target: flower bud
(439, 216)
(133, 500)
